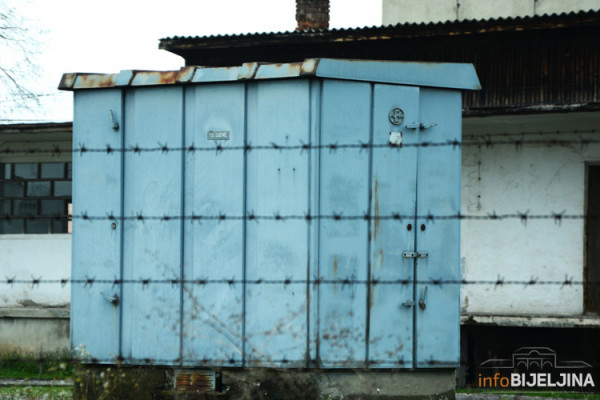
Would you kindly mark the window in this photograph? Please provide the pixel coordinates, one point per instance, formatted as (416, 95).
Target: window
(591, 291)
(35, 197)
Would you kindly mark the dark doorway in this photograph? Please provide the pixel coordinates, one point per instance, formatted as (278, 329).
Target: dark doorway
(592, 227)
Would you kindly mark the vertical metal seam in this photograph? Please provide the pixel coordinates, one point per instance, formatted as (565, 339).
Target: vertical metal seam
(459, 223)
(72, 287)
(318, 239)
(416, 230)
(122, 232)
(308, 224)
(182, 226)
(369, 203)
(244, 224)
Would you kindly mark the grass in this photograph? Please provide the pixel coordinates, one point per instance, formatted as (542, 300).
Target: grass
(27, 393)
(15, 365)
(552, 394)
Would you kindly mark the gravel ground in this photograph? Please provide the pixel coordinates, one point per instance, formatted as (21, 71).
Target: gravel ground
(15, 389)
(28, 395)
(473, 396)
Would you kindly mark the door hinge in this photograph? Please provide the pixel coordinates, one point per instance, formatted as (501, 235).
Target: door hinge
(415, 254)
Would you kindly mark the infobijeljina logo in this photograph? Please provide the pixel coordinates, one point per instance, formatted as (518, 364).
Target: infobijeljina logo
(535, 367)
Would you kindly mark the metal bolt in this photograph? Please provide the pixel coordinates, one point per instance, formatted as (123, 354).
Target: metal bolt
(409, 227)
(113, 226)
(422, 227)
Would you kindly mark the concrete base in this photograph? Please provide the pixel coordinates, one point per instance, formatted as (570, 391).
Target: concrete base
(157, 383)
(32, 330)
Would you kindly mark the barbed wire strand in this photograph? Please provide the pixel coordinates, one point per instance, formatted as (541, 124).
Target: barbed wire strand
(498, 282)
(163, 148)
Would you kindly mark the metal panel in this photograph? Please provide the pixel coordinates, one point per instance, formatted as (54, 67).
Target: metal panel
(214, 185)
(437, 325)
(276, 326)
(390, 338)
(152, 248)
(448, 75)
(95, 325)
(343, 190)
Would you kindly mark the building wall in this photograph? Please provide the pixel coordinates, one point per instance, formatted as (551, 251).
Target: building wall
(37, 331)
(26, 257)
(540, 179)
(402, 11)
(35, 317)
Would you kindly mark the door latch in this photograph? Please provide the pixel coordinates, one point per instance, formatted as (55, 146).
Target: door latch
(417, 125)
(415, 254)
(114, 299)
(427, 126)
(408, 303)
(422, 301)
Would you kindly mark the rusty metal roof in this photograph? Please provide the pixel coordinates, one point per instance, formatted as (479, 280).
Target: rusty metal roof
(445, 75)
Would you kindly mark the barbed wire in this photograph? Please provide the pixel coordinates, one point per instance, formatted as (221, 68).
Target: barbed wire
(523, 134)
(231, 361)
(348, 281)
(223, 362)
(164, 148)
(557, 217)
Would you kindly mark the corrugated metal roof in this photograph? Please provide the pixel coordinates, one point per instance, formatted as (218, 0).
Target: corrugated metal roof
(445, 75)
(532, 22)
(30, 127)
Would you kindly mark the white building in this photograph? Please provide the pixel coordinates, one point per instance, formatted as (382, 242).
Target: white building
(35, 189)
(432, 11)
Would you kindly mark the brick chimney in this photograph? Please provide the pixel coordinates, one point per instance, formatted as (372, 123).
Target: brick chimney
(312, 14)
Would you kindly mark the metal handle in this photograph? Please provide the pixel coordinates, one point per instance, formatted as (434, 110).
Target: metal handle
(114, 299)
(422, 304)
(417, 125)
(115, 124)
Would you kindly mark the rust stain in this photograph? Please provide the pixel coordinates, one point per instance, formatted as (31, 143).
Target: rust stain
(335, 272)
(67, 81)
(96, 80)
(335, 265)
(309, 66)
(167, 77)
(376, 222)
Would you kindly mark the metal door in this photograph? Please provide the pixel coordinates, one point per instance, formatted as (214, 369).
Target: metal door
(343, 177)
(437, 311)
(392, 232)
(152, 247)
(95, 313)
(214, 250)
(276, 298)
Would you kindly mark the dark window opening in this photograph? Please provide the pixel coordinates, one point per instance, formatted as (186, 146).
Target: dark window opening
(35, 197)
(592, 227)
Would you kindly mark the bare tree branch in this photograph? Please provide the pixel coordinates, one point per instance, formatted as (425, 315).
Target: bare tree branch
(18, 70)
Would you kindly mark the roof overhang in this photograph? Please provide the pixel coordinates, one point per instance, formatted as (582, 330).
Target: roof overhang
(442, 75)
